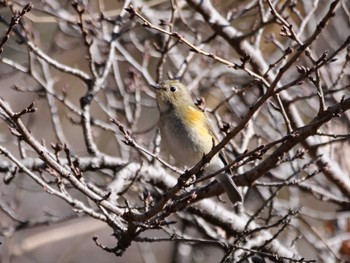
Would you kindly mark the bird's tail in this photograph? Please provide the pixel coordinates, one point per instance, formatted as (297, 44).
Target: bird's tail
(230, 188)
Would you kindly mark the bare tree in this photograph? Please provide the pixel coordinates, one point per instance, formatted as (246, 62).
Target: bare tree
(272, 75)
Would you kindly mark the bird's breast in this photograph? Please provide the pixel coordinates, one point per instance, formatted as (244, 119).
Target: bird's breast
(185, 135)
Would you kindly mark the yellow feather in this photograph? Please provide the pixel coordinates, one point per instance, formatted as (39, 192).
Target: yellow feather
(198, 120)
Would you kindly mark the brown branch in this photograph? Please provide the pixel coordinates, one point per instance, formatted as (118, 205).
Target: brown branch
(15, 19)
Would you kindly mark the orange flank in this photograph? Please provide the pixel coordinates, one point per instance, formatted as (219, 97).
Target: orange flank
(198, 120)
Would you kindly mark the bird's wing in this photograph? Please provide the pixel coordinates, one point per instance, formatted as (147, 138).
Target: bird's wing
(211, 129)
(214, 135)
(224, 160)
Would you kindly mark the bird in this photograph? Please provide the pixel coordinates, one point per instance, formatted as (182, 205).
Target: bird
(187, 133)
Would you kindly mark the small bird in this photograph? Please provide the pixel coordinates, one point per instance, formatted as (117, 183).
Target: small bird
(188, 134)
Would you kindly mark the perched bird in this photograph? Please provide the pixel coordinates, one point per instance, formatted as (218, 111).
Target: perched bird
(187, 133)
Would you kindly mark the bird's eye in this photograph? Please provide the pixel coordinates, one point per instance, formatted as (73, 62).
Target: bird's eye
(172, 89)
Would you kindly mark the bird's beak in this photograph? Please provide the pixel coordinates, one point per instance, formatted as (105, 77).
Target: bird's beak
(155, 86)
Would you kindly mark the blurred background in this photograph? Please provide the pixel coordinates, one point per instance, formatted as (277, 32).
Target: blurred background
(56, 37)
